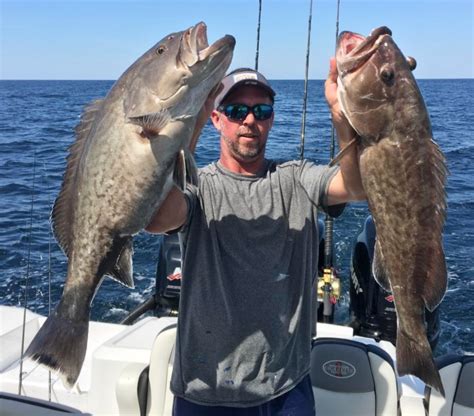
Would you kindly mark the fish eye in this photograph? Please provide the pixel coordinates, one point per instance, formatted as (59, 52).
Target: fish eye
(160, 50)
(170, 37)
(387, 74)
(411, 62)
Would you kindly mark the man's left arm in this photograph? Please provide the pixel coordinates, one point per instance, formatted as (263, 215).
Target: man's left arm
(346, 185)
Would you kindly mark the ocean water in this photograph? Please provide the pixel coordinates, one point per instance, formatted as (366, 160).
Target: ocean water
(37, 120)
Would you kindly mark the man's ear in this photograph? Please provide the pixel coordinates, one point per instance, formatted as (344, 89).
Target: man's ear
(215, 118)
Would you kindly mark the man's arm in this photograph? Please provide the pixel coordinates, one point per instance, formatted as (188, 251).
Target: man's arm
(173, 211)
(347, 184)
(171, 215)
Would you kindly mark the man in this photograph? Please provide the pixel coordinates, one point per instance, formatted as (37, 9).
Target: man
(250, 259)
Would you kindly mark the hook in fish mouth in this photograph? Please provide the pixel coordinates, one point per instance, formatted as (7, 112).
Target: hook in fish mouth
(354, 49)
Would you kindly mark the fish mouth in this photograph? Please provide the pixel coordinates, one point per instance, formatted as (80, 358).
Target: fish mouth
(353, 50)
(194, 46)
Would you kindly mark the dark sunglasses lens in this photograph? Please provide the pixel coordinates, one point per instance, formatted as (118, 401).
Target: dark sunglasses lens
(262, 111)
(240, 111)
(236, 111)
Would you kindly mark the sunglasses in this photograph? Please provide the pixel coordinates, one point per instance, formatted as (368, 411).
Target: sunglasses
(238, 112)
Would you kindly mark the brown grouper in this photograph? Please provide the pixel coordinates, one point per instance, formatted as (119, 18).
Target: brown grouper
(403, 173)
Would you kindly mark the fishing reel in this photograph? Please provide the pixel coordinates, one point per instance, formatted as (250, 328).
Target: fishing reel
(328, 293)
(329, 285)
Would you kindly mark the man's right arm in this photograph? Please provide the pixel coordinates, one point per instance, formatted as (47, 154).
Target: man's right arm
(173, 212)
(171, 215)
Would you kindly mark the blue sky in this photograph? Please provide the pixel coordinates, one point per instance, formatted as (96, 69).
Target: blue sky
(99, 39)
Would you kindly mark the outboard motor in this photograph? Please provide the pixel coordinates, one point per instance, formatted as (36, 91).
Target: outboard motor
(168, 276)
(372, 309)
(165, 300)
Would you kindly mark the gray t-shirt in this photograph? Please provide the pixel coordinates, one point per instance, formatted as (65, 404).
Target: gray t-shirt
(250, 254)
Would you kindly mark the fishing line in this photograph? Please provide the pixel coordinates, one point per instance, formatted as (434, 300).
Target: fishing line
(48, 192)
(333, 141)
(20, 384)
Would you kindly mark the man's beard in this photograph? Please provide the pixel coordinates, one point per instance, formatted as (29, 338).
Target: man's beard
(244, 153)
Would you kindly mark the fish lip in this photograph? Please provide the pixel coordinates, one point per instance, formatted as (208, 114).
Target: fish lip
(195, 48)
(226, 42)
(351, 59)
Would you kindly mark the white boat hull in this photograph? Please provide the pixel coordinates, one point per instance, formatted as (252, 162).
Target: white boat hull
(116, 354)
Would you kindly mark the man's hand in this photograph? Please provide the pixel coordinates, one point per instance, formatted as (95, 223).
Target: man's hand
(346, 185)
(344, 130)
(203, 116)
(330, 88)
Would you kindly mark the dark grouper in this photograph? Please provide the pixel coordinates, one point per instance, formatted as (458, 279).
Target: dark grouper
(403, 173)
(119, 170)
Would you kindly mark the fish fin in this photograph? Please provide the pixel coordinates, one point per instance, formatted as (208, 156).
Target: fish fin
(118, 262)
(378, 268)
(191, 168)
(343, 151)
(63, 212)
(61, 342)
(152, 123)
(432, 264)
(414, 356)
(179, 173)
(185, 170)
(123, 268)
(436, 278)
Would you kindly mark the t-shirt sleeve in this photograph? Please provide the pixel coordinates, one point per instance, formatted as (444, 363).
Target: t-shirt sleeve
(315, 180)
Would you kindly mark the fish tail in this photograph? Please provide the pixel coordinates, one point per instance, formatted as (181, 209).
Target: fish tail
(61, 343)
(415, 357)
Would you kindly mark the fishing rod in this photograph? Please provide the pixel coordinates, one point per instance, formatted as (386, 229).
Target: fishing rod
(258, 33)
(305, 94)
(329, 286)
(25, 300)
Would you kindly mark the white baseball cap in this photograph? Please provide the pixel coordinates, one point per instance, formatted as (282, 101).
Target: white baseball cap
(242, 76)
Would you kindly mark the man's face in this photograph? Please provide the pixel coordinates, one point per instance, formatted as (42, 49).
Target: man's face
(244, 140)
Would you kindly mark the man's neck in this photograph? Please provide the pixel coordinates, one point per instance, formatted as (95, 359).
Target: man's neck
(243, 168)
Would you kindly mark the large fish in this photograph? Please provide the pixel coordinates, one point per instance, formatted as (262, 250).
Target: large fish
(119, 170)
(403, 173)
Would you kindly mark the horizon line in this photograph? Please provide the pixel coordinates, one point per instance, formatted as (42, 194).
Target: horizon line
(270, 79)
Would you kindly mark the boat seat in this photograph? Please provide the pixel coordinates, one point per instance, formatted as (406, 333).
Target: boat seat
(145, 390)
(160, 398)
(457, 376)
(352, 378)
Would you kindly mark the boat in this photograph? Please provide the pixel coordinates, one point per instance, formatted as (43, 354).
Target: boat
(128, 366)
